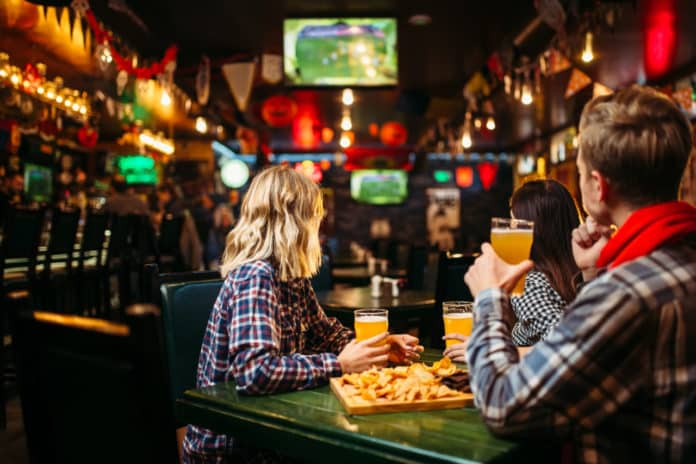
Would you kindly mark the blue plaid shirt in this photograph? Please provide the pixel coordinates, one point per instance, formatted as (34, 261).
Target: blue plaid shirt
(617, 375)
(267, 336)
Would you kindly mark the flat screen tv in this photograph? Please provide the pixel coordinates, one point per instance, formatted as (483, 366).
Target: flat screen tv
(379, 187)
(38, 182)
(137, 169)
(340, 51)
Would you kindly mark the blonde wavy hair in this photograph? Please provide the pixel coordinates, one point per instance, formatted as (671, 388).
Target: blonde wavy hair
(279, 221)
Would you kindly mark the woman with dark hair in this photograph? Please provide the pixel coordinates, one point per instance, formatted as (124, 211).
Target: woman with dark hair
(549, 285)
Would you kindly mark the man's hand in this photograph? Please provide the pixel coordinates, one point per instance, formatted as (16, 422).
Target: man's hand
(359, 356)
(489, 271)
(456, 352)
(588, 240)
(404, 348)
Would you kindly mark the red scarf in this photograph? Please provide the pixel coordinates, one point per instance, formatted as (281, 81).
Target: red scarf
(646, 230)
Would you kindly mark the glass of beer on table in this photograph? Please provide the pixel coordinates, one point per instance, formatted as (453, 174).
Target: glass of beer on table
(458, 317)
(370, 322)
(512, 241)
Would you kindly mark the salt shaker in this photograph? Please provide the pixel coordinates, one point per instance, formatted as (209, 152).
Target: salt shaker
(376, 286)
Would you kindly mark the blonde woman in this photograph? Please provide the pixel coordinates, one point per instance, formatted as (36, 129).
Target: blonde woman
(267, 332)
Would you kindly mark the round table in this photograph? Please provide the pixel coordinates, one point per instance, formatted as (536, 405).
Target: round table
(411, 306)
(361, 275)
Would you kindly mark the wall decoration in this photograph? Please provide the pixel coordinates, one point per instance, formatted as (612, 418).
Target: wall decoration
(442, 216)
(203, 81)
(578, 81)
(279, 111)
(393, 134)
(464, 176)
(487, 173)
(239, 77)
(272, 68)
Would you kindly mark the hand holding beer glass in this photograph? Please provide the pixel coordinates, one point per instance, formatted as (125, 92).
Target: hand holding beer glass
(370, 322)
(512, 241)
(458, 318)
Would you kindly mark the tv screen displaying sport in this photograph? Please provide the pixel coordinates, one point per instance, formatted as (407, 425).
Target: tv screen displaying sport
(379, 187)
(137, 169)
(38, 182)
(340, 51)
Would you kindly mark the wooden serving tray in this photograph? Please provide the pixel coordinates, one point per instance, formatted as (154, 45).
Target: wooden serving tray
(359, 406)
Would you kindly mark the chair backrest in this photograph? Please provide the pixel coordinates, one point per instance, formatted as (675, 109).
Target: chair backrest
(186, 308)
(119, 236)
(153, 281)
(449, 286)
(323, 279)
(61, 240)
(20, 239)
(93, 237)
(94, 391)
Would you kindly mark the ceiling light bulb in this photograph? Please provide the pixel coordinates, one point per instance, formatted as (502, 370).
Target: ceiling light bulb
(344, 141)
(587, 54)
(466, 139)
(490, 123)
(477, 123)
(76, 107)
(14, 78)
(201, 125)
(347, 97)
(165, 99)
(526, 98)
(346, 123)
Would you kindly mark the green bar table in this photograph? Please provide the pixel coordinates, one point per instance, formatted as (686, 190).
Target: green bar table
(312, 425)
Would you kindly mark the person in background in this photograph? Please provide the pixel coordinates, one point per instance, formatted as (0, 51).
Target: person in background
(549, 285)
(123, 200)
(618, 373)
(267, 332)
(223, 220)
(169, 202)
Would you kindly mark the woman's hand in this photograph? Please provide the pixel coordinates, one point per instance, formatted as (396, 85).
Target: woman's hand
(456, 352)
(404, 348)
(359, 356)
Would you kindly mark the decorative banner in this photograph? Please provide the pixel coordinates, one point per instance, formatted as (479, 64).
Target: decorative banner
(373, 128)
(272, 68)
(495, 66)
(557, 62)
(578, 81)
(600, 89)
(464, 176)
(477, 85)
(327, 134)
(487, 173)
(393, 134)
(146, 72)
(279, 110)
(203, 81)
(87, 136)
(442, 216)
(239, 77)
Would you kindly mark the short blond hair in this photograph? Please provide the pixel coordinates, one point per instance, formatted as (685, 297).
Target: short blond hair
(639, 140)
(279, 221)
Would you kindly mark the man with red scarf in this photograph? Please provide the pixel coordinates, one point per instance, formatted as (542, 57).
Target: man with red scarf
(616, 379)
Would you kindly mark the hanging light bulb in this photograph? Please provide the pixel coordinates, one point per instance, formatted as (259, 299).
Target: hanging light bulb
(466, 138)
(347, 98)
(344, 141)
(346, 123)
(587, 54)
(165, 99)
(477, 123)
(490, 123)
(201, 125)
(526, 96)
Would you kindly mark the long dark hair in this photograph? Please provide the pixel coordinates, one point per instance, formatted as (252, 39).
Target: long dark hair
(555, 215)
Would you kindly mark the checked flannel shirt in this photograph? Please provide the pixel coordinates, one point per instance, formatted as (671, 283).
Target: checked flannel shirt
(267, 336)
(617, 374)
(538, 310)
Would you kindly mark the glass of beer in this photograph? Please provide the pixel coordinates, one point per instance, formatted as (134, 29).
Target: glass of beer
(512, 241)
(370, 322)
(458, 317)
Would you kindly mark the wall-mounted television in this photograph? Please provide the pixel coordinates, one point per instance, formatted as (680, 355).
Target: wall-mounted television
(379, 187)
(340, 51)
(38, 182)
(137, 169)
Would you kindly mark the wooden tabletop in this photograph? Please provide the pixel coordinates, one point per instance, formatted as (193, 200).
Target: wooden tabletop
(409, 302)
(313, 426)
(361, 275)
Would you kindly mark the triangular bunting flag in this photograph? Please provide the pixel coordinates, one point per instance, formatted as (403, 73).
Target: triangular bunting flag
(578, 81)
(239, 77)
(600, 89)
(557, 62)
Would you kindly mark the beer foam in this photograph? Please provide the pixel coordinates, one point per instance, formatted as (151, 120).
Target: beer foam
(371, 319)
(512, 231)
(458, 315)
